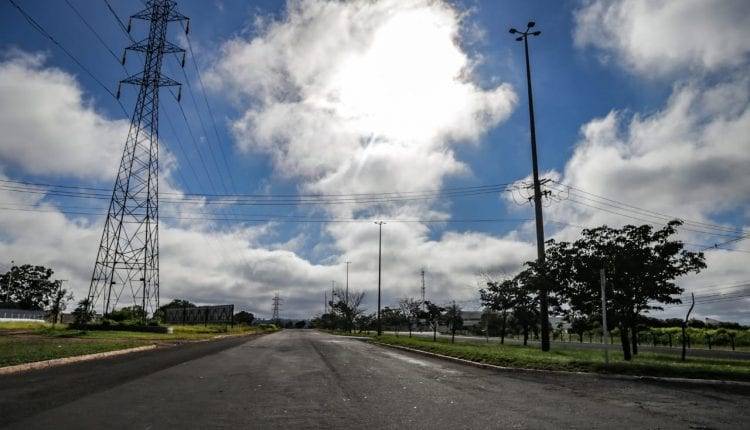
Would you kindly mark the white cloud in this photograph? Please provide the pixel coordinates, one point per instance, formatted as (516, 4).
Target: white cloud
(656, 37)
(360, 96)
(49, 128)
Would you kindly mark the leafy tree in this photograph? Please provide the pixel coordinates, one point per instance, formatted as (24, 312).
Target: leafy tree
(391, 317)
(128, 313)
(432, 313)
(83, 313)
(28, 287)
(526, 301)
(60, 301)
(364, 322)
(454, 319)
(579, 324)
(245, 317)
(300, 324)
(498, 296)
(641, 264)
(410, 308)
(347, 307)
(161, 312)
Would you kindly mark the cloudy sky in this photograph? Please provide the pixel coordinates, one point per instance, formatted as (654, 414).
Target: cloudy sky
(413, 112)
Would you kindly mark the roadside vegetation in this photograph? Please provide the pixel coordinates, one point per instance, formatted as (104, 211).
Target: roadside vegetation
(28, 342)
(567, 359)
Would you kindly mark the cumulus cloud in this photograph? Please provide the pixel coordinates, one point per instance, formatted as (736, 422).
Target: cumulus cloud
(49, 127)
(360, 96)
(656, 37)
(688, 158)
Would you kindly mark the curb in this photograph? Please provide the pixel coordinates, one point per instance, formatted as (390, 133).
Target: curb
(25, 367)
(616, 376)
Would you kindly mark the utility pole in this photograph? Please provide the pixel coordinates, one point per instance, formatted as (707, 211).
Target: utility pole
(128, 254)
(346, 294)
(10, 280)
(543, 303)
(325, 302)
(422, 286)
(276, 307)
(605, 332)
(380, 248)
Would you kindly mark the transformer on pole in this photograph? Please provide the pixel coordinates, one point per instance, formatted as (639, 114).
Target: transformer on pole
(128, 258)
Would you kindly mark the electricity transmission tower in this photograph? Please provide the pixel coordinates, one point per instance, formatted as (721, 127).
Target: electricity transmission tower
(422, 285)
(128, 258)
(276, 307)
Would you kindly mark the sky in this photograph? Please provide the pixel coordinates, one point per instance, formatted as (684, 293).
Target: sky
(397, 110)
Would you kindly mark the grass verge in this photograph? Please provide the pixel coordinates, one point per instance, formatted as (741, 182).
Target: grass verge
(25, 343)
(644, 364)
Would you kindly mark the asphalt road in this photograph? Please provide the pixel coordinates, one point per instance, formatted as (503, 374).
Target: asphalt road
(677, 349)
(307, 379)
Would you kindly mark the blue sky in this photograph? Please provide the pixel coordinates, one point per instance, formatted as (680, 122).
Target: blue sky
(597, 87)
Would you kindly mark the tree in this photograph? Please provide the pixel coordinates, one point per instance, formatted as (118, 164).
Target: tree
(498, 296)
(83, 313)
(28, 287)
(161, 313)
(454, 319)
(60, 301)
(526, 302)
(392, 317)
(244, 317)
(363, 322)
(347, 307)
(128, 313)
(432, 313)
(641, 264)
(410, 308)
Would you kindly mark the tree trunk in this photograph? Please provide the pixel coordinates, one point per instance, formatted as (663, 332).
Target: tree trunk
(409, 329)
(634, 338)
(580, 337)
(625, 342)
(434, 332)
(453, 333)
(525, 335)
(502, 328)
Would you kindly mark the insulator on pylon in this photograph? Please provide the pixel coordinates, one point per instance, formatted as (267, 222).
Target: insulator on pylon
(123, 57)
(183, 59)
(179, 93)
(130, 24)
(119, 87)
(187, 27)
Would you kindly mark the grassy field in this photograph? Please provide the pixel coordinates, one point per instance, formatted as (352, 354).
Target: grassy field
(644, 364)
(29, 342)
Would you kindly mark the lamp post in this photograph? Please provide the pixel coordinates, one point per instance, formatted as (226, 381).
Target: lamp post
(543, 302)
(380, 248)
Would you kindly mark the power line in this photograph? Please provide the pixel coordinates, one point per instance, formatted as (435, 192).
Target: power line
(642, 211)
(39, 28)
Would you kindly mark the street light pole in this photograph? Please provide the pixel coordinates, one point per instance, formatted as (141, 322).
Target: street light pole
(380, 254)
(543, 300)
(346, 294)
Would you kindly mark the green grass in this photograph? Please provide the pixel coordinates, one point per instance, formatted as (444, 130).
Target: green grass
(38, 348)
(644, 364)
(28, 342)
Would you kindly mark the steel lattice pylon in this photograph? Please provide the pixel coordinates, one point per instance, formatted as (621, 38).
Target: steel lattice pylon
(128, 258)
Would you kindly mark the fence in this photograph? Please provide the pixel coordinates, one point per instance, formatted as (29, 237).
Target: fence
(21, 315)
(223, 314)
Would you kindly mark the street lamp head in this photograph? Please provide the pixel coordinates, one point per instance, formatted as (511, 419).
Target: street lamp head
(536, 33)
(530, 24)
(519, 38)
(513, 31)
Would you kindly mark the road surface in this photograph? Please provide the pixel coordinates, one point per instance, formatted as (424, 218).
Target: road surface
(307, 379)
